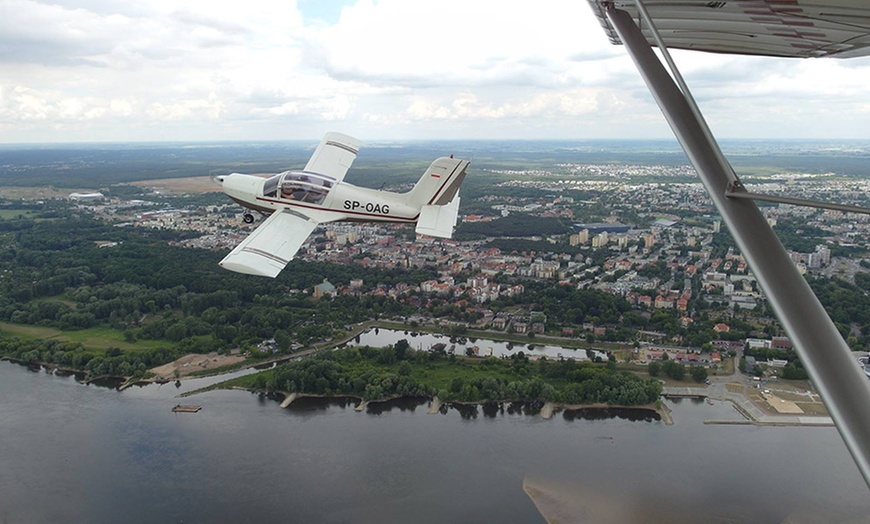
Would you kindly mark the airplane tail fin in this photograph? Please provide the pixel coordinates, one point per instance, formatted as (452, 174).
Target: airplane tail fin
(437, 194)
(439, 183)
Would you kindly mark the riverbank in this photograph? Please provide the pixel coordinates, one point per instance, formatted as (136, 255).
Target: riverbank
(547, 409)
(215, 367)
(753, 415)
(195, 363)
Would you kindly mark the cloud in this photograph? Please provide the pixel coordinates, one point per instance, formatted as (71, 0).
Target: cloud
(467, 106)
(451, 42)
(159, 69)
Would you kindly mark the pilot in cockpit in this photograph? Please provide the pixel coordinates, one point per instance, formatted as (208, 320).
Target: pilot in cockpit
(291, 192)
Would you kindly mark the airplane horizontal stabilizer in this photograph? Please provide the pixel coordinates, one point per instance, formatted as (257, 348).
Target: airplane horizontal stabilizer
(267, 250)
(438, 221)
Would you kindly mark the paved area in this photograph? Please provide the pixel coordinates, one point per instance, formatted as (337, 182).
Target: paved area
(685, 392)
(718, 390)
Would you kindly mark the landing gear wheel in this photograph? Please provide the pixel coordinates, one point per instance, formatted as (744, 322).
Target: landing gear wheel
(248, 218)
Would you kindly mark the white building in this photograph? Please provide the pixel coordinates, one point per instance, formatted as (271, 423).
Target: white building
(86, 196)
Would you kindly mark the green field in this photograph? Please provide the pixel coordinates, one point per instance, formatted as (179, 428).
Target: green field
(12, 214)
(98, 338)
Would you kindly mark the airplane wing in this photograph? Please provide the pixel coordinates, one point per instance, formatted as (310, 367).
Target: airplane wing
(271, 246)
(334, 156)
(787, 28)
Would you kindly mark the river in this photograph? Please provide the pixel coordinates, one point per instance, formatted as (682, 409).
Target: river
(76, 453)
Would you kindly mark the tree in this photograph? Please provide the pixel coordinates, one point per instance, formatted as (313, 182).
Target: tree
(654, 369)
(401, 347)
(386, 355)
(699, 373)
(674, 370)
(283, 339)
(794, 371)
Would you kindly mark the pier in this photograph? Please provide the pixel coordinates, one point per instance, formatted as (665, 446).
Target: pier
(180, 408)
(684, 392)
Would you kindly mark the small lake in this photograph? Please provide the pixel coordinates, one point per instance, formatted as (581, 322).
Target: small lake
(379, 337)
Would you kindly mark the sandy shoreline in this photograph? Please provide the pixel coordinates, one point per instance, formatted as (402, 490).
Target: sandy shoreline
(192, 363)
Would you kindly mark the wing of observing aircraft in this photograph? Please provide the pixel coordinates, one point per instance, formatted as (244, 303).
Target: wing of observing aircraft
(784, 28)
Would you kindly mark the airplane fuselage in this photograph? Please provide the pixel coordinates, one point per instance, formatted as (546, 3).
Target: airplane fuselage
(339, 202)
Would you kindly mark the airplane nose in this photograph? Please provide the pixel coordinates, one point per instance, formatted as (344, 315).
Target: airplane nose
(220, 179)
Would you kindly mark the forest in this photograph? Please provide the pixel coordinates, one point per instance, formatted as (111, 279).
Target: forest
(53, 274)
(398, 370)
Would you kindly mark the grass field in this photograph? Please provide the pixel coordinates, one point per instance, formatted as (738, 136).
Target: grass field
(734, 388)
(193, 184)
(12, 214)
(97, 338)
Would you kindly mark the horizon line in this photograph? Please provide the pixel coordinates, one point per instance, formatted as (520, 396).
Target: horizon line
(407, 140)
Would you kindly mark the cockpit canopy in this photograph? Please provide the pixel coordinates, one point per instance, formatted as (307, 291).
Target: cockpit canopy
(296, 186)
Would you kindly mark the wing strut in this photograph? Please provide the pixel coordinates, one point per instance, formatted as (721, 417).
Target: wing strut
(736, 190)
(823, 352)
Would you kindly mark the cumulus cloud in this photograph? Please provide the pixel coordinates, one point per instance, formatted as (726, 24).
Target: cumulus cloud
(159, 69)
(453, 42)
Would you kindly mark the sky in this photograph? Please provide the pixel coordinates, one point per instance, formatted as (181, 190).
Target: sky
(204, 70)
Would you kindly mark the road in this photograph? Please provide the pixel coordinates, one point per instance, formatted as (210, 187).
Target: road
(718, 390)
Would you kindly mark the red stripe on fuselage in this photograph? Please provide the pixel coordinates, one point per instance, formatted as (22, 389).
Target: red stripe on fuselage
(385, 218)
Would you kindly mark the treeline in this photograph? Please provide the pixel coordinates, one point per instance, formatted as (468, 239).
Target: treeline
(796, 235)
(676, 371)
(344, 372)
(73, 355)
(566, 305)
(508, 245)
(847, 304)
(380, 373)
(793, 370)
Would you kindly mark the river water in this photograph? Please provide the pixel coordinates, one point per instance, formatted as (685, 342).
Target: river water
(76, 453)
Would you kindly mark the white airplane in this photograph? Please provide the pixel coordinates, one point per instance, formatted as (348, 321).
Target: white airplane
(297, 201)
